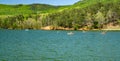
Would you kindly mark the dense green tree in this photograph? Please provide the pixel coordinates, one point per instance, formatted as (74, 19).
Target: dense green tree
(89, 20)
(112, 17)
(99, 17)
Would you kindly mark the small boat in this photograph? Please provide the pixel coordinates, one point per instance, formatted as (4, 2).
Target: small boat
(70, 33)
(104, 32)
(83, 31)
(26, 29)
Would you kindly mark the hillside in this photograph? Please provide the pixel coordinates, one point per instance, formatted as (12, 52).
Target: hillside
(85, 14)
(27, 9)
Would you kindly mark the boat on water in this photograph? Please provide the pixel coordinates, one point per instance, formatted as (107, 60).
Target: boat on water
(26, 29)
(84, 31)
(103, 32)
(70, 33)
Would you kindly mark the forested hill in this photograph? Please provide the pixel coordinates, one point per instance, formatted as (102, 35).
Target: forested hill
(85, 14)
(27, 9)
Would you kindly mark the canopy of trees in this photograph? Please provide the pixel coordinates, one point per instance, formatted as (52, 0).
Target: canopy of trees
(84, 14)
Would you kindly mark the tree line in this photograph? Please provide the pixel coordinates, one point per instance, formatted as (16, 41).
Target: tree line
(95, 16)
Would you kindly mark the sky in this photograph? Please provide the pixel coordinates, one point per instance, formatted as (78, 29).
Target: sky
(51, 2)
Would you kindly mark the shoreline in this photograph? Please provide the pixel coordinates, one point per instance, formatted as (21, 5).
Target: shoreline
(79, 29)
(67, 29)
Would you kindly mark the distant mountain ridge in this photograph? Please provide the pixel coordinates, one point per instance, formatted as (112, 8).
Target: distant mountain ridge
(27, 9)
(45, 8)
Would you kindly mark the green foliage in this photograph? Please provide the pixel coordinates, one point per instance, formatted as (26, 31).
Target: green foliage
(26, 9)
(91, 14)
(99, 17)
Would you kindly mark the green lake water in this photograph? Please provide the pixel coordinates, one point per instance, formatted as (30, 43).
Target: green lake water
(39, 45)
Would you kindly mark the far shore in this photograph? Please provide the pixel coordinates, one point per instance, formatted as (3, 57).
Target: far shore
(71, 29)
(80, 29)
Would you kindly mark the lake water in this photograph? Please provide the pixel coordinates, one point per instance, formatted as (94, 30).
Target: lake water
(39, 45)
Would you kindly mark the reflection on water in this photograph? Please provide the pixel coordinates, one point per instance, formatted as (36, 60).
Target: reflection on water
(38, 45)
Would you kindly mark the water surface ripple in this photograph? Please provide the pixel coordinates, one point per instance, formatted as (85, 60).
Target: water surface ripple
(39, 45)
